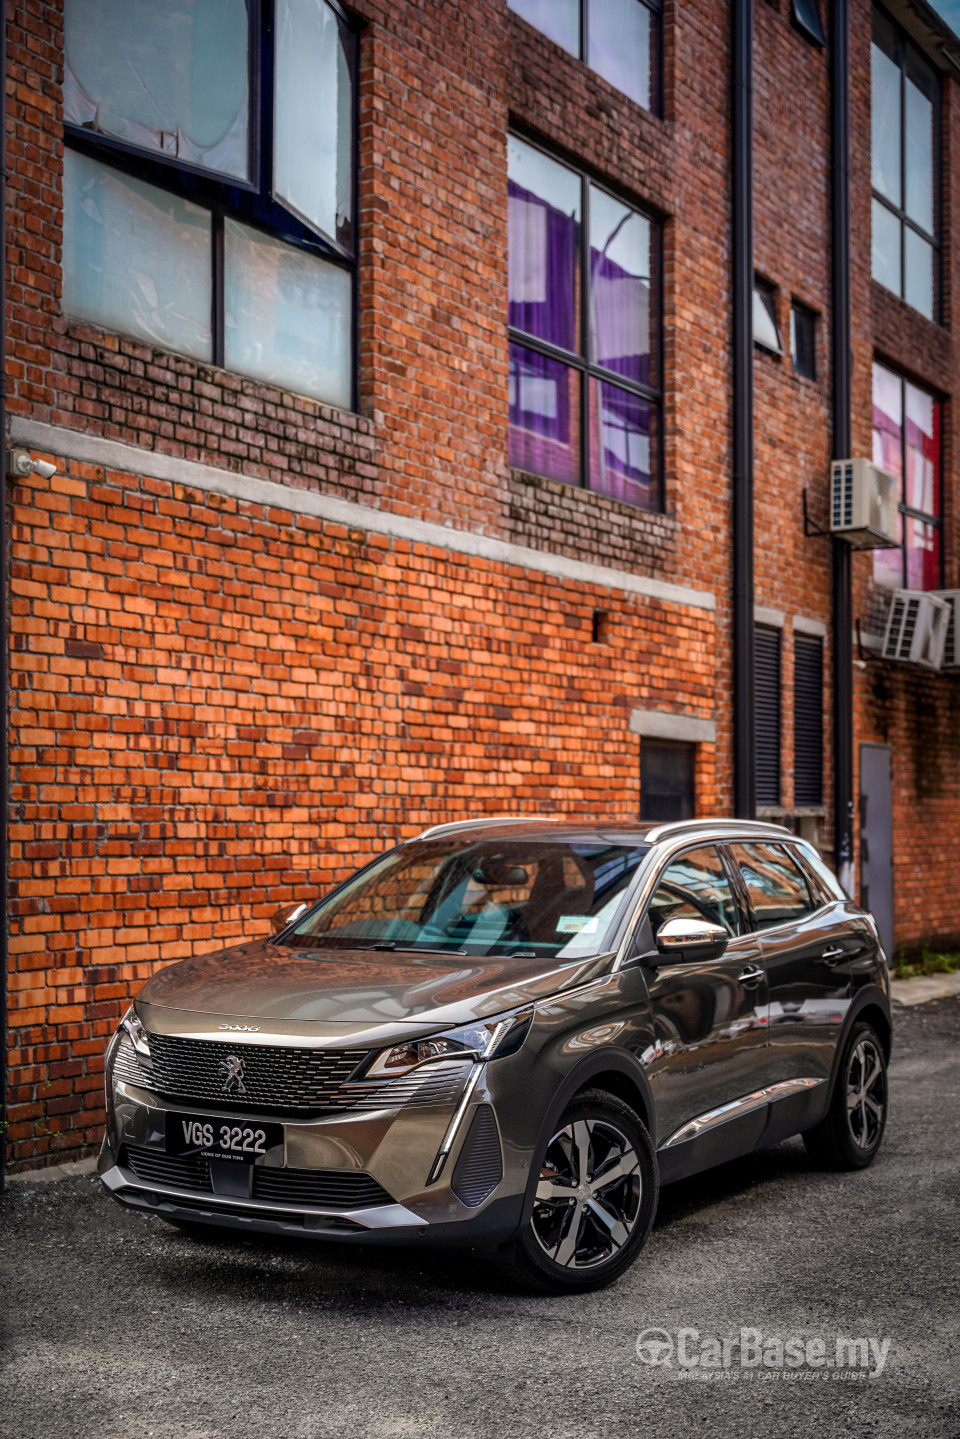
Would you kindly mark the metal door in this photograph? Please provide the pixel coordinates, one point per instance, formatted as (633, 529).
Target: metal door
(876, 839)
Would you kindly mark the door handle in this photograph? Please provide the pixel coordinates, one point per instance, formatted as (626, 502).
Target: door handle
(832, 956)
(751, 976)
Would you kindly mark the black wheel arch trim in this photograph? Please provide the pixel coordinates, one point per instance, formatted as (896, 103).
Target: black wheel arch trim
(870, 997)
(590, 1068)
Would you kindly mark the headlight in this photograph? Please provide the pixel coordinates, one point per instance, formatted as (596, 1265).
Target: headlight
(494, 1039)
(130, 1023)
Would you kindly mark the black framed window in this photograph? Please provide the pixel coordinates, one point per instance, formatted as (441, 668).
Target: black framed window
(585, 340)
(905, 105)
(803, 340)
(619, 39)
(210, 182)
(667, 780)
(907, 444)
(807, 720)
(766, 668)
(766, 330)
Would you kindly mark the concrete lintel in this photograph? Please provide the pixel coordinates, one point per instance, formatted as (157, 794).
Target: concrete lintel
(112, 454)
(803, 626)
(660, 724)
(763, 615)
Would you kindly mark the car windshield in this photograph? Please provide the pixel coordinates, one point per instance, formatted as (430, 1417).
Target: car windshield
(532, 897)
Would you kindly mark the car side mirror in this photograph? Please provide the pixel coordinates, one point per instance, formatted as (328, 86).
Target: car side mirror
(688, 939)
(285, 915)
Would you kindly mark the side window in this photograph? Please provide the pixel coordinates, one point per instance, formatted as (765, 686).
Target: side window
(776, 886)
(695, 886)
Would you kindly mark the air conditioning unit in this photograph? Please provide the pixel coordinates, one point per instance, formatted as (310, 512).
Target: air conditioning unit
(863, 507)
(951, 646)
(916, 628)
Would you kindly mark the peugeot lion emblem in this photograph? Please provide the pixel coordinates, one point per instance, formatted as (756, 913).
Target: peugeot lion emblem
(232, 1067)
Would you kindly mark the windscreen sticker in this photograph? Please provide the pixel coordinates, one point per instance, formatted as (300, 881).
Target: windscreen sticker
(577, 924)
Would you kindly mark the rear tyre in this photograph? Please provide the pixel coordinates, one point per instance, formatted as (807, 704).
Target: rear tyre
(594, 1200)
(850, 1134)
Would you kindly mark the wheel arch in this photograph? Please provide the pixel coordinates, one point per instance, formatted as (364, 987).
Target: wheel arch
(872, 1005)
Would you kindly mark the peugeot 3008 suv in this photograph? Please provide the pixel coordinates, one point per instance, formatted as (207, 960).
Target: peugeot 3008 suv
(505, 1035)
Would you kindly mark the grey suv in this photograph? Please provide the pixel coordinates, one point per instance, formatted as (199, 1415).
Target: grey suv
(504, 1035)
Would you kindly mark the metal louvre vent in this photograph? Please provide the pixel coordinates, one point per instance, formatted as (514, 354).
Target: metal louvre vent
(767, 709)
(292, 1081)
(807, 720)
(479, 1168)
(300, 1188)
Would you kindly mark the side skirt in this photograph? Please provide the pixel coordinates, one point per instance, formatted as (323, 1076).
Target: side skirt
(763, 1117)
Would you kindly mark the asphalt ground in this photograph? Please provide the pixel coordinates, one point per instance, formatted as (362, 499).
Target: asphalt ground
(115, 1325)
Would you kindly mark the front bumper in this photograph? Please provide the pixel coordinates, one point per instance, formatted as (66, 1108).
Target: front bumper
(397, 1149)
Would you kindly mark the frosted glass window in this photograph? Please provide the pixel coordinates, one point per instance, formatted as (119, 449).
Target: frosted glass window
(287, 316)
(136, 259)
(170, 78)
(312, 119)
(559, 20)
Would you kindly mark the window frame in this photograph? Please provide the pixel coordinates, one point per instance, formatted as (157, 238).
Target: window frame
(813, 898)
(655, 8)
(905, 510)
(587, 369)
(904, 47)
(799, 310)
(248, 202)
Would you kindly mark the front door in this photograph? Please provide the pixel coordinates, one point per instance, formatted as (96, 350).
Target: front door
(876, 839)
(709, 1016)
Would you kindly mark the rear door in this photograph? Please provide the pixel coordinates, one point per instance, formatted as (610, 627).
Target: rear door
(709, 1016)
(808, 945)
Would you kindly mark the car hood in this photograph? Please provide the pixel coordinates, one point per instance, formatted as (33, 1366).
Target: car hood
(259, 986)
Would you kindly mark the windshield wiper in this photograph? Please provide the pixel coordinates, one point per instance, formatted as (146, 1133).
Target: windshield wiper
(393, 944)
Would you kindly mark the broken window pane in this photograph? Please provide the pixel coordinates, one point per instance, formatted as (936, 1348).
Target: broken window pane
(136, 259)
(287, 316)
(170, 78)
(312, 118)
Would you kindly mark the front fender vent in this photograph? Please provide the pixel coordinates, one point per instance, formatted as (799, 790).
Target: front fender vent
(479, 1168)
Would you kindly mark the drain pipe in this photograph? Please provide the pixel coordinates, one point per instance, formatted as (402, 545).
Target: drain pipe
(842, 442)
(4, 694)
(744, 770)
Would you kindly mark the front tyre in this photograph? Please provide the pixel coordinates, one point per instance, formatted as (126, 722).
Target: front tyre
(850, 1134)
(594, 1199)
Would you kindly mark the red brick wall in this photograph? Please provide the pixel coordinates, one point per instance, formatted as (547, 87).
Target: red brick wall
(219, 708)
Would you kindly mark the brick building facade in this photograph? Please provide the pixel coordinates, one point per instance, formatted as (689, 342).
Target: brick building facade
(256, 637)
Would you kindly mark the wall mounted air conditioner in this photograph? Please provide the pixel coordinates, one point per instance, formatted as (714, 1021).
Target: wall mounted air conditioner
(916, 628)
(863, 506)
(951, 646)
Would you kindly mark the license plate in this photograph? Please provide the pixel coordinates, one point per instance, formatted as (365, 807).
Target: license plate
(218, 1138)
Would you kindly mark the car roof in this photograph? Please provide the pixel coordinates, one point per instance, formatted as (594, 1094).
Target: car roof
(615, 831)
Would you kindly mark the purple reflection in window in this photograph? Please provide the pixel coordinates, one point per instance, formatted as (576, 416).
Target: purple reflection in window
(543, 255)
(544, 415)
(888, 454)
(622, 445)
(619, 288)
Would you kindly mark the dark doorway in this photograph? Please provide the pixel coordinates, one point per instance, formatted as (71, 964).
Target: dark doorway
(667, 770)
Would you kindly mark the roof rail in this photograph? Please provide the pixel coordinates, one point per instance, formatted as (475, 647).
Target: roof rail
(453, 825)
(758, 827)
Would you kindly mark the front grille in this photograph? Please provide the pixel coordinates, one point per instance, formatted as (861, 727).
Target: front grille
(155, 1167)
(295, 1082)
(302, 1188)
(282, 1081)
(319, 1188)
